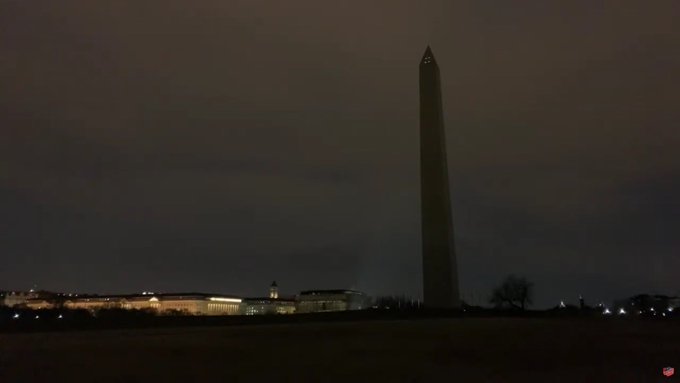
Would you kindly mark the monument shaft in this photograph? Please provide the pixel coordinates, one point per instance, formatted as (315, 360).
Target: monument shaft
(440, 269)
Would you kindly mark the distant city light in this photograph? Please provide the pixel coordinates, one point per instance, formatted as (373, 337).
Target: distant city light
(670, 309)
(606, 311)
(652, 309)
(37, 317)
(562, 305)
(60, 316)
(664, 314)
(16, 316)
(622, 311)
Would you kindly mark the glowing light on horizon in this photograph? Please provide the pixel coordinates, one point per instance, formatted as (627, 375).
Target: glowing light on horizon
(218, 299)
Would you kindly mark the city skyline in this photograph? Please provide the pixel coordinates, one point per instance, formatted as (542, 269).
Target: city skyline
(215, 148)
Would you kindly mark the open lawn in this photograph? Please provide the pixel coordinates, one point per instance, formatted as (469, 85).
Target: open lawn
(426, 350)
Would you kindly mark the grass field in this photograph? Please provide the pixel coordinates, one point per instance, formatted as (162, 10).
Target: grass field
(427, 350)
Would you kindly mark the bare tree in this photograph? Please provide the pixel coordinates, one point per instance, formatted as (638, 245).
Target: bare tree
(515, 292)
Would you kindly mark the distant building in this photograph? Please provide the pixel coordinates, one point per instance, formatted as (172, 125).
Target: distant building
(197, 303)
(313, 301)
(24, 298)
(16, 298)
(274, 291)
(38, 304)
(268, 306)
(184, 303)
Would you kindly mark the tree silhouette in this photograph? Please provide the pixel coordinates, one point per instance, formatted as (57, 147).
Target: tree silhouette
(515, 292)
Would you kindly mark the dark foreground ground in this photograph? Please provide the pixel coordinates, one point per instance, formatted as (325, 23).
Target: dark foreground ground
(425, 350)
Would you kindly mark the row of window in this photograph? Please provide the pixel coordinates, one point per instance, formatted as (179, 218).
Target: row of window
(223, 307)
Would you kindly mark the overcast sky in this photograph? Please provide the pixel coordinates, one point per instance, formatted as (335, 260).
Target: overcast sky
(219, 145)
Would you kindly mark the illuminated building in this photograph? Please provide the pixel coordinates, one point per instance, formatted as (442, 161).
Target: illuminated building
(330, 300)
(268, 306)
(187, 303)
(14, 298)
(38, 304)
(206, 304)
(274, 291)
(440, 270)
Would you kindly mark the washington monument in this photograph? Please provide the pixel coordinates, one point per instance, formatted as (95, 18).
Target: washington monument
(440, 269)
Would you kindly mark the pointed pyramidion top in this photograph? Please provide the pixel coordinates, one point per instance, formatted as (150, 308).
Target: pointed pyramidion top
(428, 57)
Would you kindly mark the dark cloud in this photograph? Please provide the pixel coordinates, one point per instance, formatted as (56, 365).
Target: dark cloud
(213, 146)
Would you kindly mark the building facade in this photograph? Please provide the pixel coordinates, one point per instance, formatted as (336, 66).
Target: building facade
(163, 304)
(311, 301)
(15, 298)
(267, 306)
(314, 301)
(38, 304)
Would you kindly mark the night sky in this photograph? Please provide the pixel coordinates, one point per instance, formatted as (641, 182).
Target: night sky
(219, 145)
